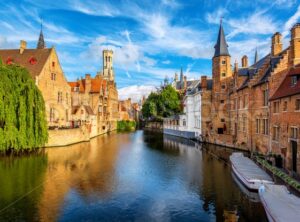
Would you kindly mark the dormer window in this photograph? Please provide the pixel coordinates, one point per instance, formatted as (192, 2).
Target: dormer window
(32, 60)
(9, 61)
(293, 80)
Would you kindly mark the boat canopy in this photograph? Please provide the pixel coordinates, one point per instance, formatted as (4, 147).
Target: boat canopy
(280, 204)
(248, 169)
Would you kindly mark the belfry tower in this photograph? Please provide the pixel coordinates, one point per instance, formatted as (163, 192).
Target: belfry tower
(108, 71)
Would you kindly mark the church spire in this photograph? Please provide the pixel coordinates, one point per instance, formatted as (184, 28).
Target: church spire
(41, 43)
(256, 56)
(221, 47)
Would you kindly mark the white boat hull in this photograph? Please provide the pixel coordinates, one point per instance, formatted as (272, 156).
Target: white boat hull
(248, 173)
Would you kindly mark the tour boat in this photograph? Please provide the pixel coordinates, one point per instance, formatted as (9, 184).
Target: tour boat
(280, 205)
(251, 195)
(251, 175)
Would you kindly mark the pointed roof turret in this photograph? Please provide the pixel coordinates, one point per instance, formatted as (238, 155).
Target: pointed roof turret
(221, 48)
(41, 43)
(256, 56)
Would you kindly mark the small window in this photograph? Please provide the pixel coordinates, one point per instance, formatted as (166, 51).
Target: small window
(257, 126)
(53, 64)
(223, 74)
(265, 97)
(223, 62)
(297, 104)
(294, 132)
(223, 86)
(222, 101)
(82, 112)
(276, 107)
(53, 76)
(285, 106)
(276, 133)
(32, 61)
(294, 80)
(223, 120)
(9, 61)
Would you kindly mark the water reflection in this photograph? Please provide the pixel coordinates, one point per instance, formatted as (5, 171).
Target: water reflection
(125, 177)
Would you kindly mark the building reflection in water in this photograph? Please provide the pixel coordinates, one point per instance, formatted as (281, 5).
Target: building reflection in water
(210, 173)
(85, 168)
(128, 177)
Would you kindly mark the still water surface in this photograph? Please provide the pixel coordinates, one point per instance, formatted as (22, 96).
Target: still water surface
(138, 176)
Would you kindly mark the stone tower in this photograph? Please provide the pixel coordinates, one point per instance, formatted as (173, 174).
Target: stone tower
(221, 69)
(108, 71)
(221, 75)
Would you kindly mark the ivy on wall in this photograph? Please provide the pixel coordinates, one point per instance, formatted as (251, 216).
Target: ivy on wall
(23, 123)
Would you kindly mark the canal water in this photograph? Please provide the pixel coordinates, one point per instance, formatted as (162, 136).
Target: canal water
(139, 176)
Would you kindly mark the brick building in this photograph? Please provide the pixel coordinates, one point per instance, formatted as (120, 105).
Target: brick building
(45, 69)
(256, 107)
(95, 100)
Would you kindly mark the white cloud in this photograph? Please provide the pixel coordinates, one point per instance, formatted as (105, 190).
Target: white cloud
(257, 23)
(214, 17)
(290, 22)
(166, 62)
(135, 92)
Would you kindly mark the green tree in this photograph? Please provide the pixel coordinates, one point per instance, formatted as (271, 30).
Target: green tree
(164, 103)
(23, 124)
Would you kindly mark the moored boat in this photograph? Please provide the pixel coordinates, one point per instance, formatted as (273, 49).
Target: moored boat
(251, 175)
(280, 205)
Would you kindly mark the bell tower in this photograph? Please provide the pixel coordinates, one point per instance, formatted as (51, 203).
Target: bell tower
(108, 71)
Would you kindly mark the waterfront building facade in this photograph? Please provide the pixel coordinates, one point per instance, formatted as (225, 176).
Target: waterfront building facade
(254, 107)
(98, 99)
(44, 67)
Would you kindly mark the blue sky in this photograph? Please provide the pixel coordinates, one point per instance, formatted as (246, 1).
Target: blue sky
(150, 39)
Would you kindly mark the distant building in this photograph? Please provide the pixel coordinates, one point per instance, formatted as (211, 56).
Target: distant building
(188, 124)
(183, 84)
(45, 69)
(95, 100)
(89, 103)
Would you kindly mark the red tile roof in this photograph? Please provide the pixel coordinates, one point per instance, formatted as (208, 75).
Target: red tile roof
(31, 59)
(286, 88)
(97, 84)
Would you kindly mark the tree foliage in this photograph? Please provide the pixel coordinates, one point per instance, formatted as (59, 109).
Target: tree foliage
(164, 103)
(126, 125)
(23, 123)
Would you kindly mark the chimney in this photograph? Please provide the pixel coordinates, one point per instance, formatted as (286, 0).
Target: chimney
(204, 82)
(236, 67)
(244, 61)
(276, 47)
(295, 44)
(88, 82)
(184, 82)
(23, 46)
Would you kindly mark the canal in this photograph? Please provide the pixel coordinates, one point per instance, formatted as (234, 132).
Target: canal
(139, 176)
